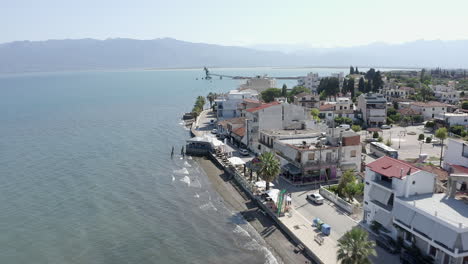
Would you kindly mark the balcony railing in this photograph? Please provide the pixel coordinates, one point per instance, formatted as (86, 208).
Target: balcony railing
(385, 184)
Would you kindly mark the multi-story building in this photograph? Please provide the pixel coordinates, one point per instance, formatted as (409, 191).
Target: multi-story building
(228, 105)
(446, 94)
(259, 83)
(398, 92)
(429, 110)
(274, 115)
(456, 153)
(311, 81)
(307, 100)
(401, 198)
(313, 156)
(373, 108)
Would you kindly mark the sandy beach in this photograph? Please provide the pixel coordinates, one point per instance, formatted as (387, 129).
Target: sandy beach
(281, 246)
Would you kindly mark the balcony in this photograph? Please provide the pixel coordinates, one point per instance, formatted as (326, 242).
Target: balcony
(314, 163)
(385, 183)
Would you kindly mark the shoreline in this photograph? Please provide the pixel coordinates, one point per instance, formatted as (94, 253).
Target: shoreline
(278, 242)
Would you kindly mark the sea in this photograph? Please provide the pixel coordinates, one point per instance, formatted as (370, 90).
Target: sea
(86, 174)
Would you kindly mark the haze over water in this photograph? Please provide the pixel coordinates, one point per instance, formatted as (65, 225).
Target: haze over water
(86, 174)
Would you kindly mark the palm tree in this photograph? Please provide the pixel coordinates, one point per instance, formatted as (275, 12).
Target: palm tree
(211, 97)
(269, 168)
(441, 134)
(355, 248)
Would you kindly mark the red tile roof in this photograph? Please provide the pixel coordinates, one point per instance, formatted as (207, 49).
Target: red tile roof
(391, 167)
(327, 107)
(239, 131)
(459, 169)
(429, 104)
(263, 106)
(408, 111)
(252, 101)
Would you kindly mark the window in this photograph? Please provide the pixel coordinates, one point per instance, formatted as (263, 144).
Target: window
(311, 156)
(432, 251)
(408, 236)
(353, 153)
(442, 109)
(433, 109)
(329, 114)
(414, 182)
(465, 150)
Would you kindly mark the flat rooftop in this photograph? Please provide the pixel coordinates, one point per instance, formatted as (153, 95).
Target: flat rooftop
(293, 133)
(450, 210)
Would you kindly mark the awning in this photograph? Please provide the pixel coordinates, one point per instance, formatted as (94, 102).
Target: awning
(262, 184)
(403, 213)
(273, 193)
(423, 224)
(292, 169)
(236, 161)
(445, 235)
(379, 194)
(383, 217)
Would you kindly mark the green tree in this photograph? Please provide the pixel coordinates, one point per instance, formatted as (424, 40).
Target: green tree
(284, 90)
(356, 128)
(329, 85)
(465, 105)
(211, 97)
(389, 142)
(344, 86)
(362, 85)
(421, 137)
(368, 86)
(441, 134)
(370, 74)
(351, 70)
(355, 247)
(356, 71)
(351, 87)
(269, 168)
(315, 113)
(298, 90)
(270, 94)
(377, 82)
(375, 134)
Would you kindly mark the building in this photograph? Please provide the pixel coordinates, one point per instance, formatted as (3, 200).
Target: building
(373, 108)
(342, 107)
(401, 198)
(429, 110)
(452, 119)
(274, 115)
(259, 83)
(446, 94)
(307, 100)
(399, 92)
(456, 153)
(228, 105)
(311, 81)
(340, 76)
(311, 156)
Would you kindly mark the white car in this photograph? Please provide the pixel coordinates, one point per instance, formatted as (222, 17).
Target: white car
(214, 131)
(244, 152)
(385, 127)
(315, 197)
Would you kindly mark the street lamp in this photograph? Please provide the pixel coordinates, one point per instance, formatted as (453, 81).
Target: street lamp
(420, 147)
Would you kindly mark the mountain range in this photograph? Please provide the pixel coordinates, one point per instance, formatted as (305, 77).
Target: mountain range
(93, 54)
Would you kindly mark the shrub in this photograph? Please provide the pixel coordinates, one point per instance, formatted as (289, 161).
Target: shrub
(428, 140)
(430, 124)
(356, 128)
(388, 142)
(421, 137)
(457, 129)
(375, 135)
(380, 139)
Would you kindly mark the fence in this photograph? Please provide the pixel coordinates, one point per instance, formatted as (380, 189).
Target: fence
(338, 201)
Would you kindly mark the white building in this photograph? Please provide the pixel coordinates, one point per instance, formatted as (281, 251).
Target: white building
(228, 105)
(429, 110)
(456, 153)
(311, 81)
(373, 108)
(307, 100)
(452, 119)
(446, 94)
(400, 197)
(313, 156)
(259, 83)
(274, 115)
(398, 92)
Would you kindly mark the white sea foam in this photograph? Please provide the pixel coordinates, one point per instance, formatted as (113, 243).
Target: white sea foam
(189, 157)
(186, 164)
(241, 231)
(197, 195)
(173, 178)
(182, 171)
(208, 206)
(186, 179)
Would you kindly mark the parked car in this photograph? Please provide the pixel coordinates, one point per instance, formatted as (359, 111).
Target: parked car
(212, 121)
(315, 197)
(369, 140)
(345, 126)
(214, 131)
(407, 258)
(243, 152)
(386, 243)
(411, 133)
(385, 127)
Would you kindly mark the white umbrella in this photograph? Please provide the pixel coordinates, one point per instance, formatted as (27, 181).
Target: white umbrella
(236, 161)
(262, 184)
(216, 142)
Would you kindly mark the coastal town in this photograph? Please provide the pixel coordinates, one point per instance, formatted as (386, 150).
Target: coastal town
(370, 166)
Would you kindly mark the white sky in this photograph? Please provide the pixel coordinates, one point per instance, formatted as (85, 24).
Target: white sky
(320, 23)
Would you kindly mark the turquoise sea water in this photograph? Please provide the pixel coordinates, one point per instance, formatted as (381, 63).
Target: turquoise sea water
(86, 175)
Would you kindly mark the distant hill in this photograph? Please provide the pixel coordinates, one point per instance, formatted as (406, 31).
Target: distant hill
(92, 54)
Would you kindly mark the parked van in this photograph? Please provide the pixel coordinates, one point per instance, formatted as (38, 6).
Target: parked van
(345, 126)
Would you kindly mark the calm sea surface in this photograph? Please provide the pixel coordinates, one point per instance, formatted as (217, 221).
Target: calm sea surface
(86, 175)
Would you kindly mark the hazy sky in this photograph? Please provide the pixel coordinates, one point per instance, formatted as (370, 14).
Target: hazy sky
(321, 23)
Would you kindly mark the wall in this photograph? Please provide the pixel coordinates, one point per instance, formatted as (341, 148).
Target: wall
(453, 153)
(349, 208)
